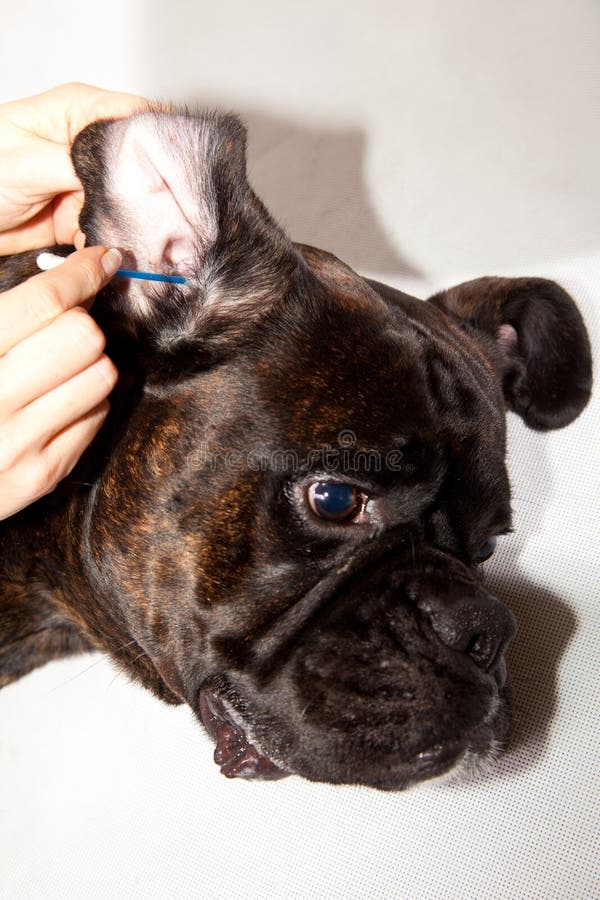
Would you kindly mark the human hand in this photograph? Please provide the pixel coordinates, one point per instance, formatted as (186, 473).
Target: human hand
(54, 376)
(40, 194)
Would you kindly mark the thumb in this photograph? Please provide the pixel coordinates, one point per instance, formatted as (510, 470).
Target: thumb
(35, 303)
(84, 273)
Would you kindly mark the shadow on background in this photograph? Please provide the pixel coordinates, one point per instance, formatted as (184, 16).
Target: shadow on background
(546, 627)
(312, 181)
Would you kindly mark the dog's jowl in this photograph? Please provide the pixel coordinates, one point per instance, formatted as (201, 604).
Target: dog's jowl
(283, 521)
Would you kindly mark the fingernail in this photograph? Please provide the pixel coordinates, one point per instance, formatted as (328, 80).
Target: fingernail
(111, 261)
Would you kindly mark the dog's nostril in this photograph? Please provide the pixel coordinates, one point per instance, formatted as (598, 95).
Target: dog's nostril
(479, 627)
(480, 649)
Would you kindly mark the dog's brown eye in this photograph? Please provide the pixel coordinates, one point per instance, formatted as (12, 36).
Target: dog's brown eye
(334, 501)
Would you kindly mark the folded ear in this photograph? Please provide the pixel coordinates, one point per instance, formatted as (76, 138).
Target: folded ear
(540, 341)
(171, 192)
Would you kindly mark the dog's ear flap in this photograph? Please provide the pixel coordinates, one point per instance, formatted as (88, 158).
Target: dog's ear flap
(170, 191)
(539, 340)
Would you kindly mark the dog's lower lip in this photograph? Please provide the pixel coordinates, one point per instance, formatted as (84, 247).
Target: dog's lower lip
(235, 755)
(439, 758)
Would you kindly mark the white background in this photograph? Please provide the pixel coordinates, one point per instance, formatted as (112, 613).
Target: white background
(423, 143)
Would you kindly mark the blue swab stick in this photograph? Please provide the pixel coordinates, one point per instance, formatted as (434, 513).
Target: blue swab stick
(150, 276)
(47, 261)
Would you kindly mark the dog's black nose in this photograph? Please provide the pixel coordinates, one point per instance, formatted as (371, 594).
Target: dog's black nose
(479, 625)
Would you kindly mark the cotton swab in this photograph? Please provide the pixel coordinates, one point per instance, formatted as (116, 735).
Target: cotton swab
(47, 261)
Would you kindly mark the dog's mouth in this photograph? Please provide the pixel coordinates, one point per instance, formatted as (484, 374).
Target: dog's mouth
(239, 757)
(236, 756)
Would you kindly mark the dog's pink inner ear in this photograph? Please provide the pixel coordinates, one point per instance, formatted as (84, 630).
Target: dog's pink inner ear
(161, 187)
(508, 339)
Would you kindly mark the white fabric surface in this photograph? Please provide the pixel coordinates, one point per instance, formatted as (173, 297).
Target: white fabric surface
(424, 143)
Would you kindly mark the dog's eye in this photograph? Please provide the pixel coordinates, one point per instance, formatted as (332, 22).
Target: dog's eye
(334, 501)
(486, 551)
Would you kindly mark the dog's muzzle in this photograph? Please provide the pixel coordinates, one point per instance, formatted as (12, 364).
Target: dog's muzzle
(391, 677)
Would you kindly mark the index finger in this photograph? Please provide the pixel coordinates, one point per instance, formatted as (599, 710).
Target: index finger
(59, 114)
(36, 302)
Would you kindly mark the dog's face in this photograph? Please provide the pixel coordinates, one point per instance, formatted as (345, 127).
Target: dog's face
(290, 532)
(304, 524)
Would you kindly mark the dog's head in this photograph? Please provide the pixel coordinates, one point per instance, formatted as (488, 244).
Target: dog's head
(289, 531)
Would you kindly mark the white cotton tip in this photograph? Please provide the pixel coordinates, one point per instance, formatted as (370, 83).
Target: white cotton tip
(47, 261)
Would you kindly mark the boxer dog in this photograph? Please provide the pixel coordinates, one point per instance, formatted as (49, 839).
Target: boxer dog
(282, 522)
